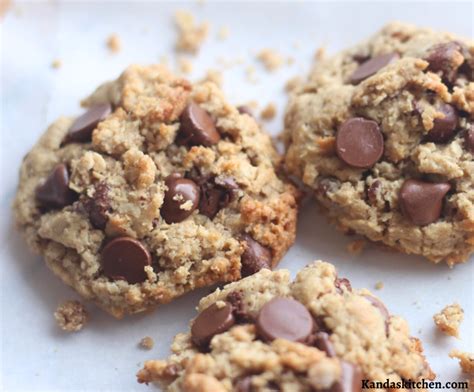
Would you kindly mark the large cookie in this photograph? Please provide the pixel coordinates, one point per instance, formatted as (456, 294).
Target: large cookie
(383, 134)
(159, 188)
(265, 333)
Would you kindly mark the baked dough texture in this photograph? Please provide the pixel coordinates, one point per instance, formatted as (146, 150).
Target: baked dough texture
(90, 195)
(407, 178)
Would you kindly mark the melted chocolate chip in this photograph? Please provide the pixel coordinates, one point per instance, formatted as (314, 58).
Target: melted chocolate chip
(322, 342)
(421, 202)
(181, 199)
(372, 192)
(371, 67)
(235, 298)
(284, 318)
(444, 128)
(342, 282)
(55, 192)
(124, 258)
(383, 310)
(98, 205)
(210, 322)
(216, 194)
(441, 59)
(82, 128)
(255, 257)
(359, 142)
(197, 127)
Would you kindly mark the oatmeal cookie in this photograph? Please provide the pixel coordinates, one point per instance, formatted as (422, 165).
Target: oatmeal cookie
(159, 188)
(265, 333)
(383, 134)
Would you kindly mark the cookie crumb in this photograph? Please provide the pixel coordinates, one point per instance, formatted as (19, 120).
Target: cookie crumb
(270, 59)
(356, 247)
(449, 319)
(114, 43)
(292, 84)
(269, 112)
(379, 285)
(71, 316)
(466, 360)
(56, 64)
(185, 65)
(147, 343)
(213, 76)
(190, 35)
(223, 33)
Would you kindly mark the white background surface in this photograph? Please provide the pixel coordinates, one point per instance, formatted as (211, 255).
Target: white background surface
(104, 356)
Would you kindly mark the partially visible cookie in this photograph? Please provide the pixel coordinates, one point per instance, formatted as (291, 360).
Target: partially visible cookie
(159, 188)
(383, 133)
(267, 333)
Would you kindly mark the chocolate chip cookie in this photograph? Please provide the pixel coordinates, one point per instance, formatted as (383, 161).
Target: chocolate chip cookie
(160, 187)
(265, 333)
(383, 134)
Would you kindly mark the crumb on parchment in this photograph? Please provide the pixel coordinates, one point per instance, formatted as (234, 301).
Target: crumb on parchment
(185, 65)
(379, 285)
(466, 360)
(191, 35)
(270, 59)
(269, 112)
(147, 343)
(71, 316)
(56, 64)
(356, 247)
(114, 43)
(449, 319)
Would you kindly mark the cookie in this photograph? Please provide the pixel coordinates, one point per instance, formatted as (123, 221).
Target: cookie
(266, 333)
(383, 135)
(160, 187)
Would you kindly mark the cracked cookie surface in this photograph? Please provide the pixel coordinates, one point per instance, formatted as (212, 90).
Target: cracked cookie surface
(266, 333)
(160, 187)
(383, 134)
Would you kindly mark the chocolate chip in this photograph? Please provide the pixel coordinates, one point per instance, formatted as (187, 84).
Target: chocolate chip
(197, 127)
(372, 192)
(255, 257)
(181, 199)
(441, 58)
(284, 318)
(359, 142)
(235, 298)
(351, 379)
(217, 194)
(244, 384)
(469, 139)
(322, 342)
(82, 128)
(342, 282)
(371, 67)
(55, 192)
(211, 321)
(124, 258)
(421, 202)
(383, 310)
(245, 110)
(98, 205)
(444, 128)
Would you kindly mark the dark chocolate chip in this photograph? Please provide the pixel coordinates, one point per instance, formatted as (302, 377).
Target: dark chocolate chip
(55, 192)
(125, 258)
(217, 194)
(197, 127)
(82, 128)
(284, 318)
(372, 192)
(180, 192)
(342, 282)
(98, 205)
(444, 128)
(383, 310)
(441, 59)
(371, 67)
(210, 322)
(322, 342)
(421, 202)
(469, 139)
(359, 142)
(255, 257)
(238, 307)
(351, 379)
